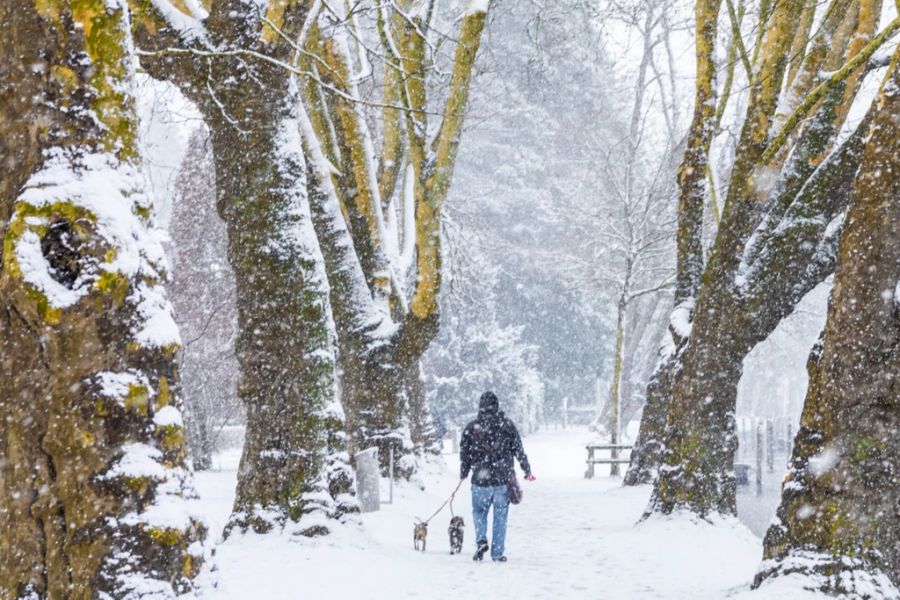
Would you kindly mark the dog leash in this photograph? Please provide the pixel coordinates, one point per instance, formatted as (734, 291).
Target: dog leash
(446, 502)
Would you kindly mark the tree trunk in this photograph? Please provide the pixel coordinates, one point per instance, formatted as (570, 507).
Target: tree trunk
(837, 523)
(379, 359)
(294, 469)
(744, 293)
(692, 172)
(285, 344)
(94, 490)
(371, 383)
(614, 408)
(199, 441)
(736, 315)
(699, 436)
(699, 424)
(646, 455)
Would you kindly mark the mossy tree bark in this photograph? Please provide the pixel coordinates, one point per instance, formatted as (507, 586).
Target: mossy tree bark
(379, 367)
(294, 469)
(692, 172)
(837, 523)
(94, 491)
(285, 341)
(368, 379)
(433, 170)
(745, 291)
(349, 218)
(646, 455)
(614, 393)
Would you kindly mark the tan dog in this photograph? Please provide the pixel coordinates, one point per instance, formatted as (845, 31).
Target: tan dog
(420, 532)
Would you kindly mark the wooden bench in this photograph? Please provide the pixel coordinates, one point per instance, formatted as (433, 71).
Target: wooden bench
(614, 460)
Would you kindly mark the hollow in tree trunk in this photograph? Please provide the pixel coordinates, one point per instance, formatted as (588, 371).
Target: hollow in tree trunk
(94, 490)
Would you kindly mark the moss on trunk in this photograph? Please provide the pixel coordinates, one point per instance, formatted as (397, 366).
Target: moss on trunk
(837, 523)
(285, 344)
(90, 428)
(745, 292)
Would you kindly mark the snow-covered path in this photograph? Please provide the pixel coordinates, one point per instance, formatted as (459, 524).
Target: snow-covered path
(570, 538)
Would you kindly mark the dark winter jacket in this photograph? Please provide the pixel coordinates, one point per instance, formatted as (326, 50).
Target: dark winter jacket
(489, 444)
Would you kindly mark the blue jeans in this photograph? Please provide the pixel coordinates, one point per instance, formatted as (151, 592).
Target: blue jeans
(482, 499)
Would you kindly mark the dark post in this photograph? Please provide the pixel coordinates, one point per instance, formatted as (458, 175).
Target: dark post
(770, 445)
(759, 457)
(747, 434)
(790, 441)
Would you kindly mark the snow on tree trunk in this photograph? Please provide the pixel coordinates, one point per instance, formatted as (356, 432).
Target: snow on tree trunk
(646, 456)
(837, 523)
(380, 369)
(295, 468)
(95, 496)
(732, 319)
(371, 385)
(286, 338)
(793, 214)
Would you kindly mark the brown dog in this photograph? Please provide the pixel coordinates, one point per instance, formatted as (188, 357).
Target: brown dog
(457, 527)
(420, 532)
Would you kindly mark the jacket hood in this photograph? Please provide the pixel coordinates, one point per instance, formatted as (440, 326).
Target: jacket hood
(489, 404)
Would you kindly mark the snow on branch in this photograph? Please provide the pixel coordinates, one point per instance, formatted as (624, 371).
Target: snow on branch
(196, 9)
(332, 212)
(189, 27)
(477, 7)
(681, 321)
(813, 97)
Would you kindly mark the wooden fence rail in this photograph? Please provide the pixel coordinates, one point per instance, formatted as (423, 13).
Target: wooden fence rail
(614, 460)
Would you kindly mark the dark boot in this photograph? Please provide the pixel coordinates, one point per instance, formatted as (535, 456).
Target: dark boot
(499, 559)
(482, 548)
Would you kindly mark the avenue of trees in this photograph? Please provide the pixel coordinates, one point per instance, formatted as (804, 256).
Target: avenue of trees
(804, 199)
(335, 252)
(330, 133)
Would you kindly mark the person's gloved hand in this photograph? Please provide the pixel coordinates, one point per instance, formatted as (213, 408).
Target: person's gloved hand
(530, 477)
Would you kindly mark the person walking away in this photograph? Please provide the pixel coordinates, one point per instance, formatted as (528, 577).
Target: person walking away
(487, 449)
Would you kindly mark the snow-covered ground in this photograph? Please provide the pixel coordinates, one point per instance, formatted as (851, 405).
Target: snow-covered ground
(570, 538)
